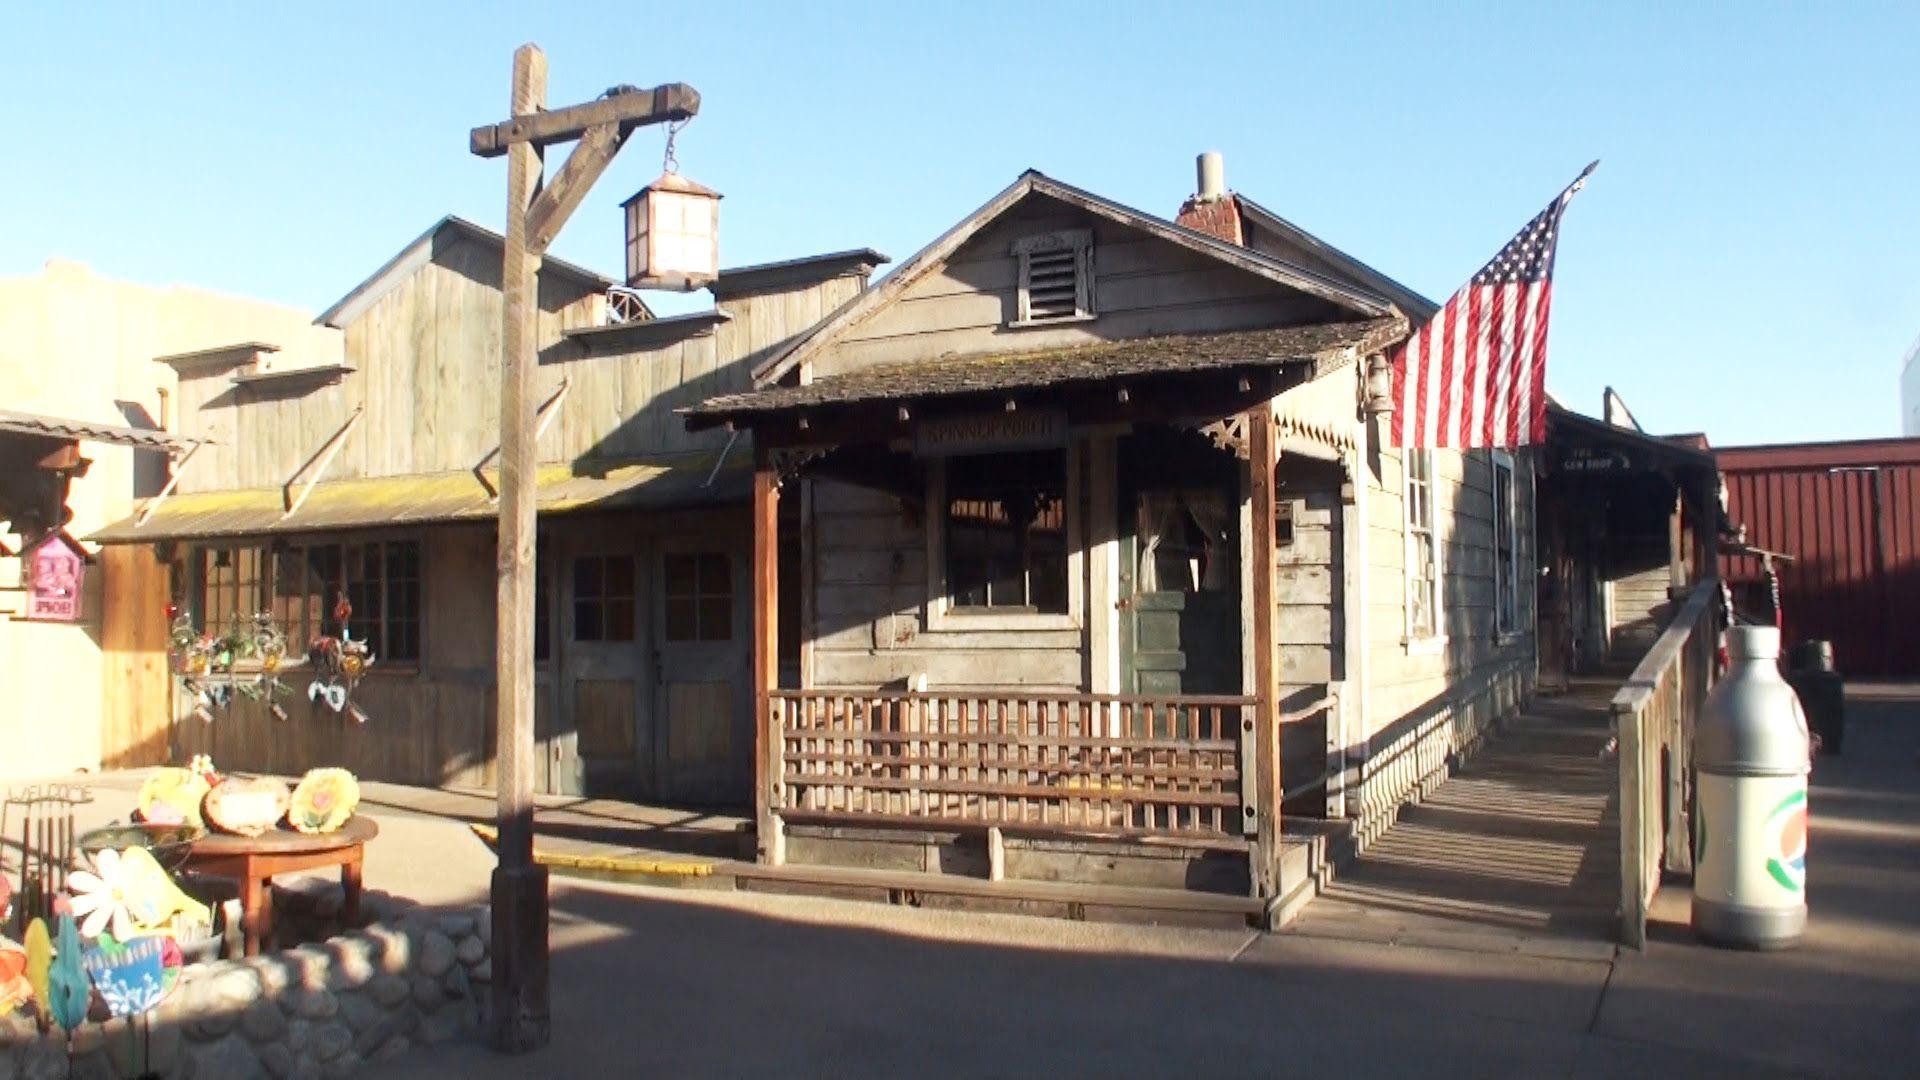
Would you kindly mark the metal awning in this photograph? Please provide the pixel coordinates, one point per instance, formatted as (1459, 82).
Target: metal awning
(53, 427)
(435, 498)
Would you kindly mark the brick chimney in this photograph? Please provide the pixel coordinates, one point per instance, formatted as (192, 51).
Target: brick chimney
(1212, 209)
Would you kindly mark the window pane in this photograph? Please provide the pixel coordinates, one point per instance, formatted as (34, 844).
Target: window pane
(542, 612)
(588, 624)
(619, 576)
(714, 575)
(588, 577)
(1006, 531)
(681, 575)
(716, 618)
(619, 620)
(680, 619)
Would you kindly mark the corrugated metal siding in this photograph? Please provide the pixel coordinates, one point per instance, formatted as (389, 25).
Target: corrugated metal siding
(1849, 514)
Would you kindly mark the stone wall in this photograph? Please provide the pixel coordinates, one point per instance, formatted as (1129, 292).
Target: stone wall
(322, 1009)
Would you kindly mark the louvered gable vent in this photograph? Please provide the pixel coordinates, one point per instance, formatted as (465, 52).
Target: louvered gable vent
(1056, 277)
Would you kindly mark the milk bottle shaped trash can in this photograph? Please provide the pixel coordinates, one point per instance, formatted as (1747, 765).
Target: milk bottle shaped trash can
(1750, 748)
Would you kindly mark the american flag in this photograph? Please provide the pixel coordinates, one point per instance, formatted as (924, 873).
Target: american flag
(1476, 373)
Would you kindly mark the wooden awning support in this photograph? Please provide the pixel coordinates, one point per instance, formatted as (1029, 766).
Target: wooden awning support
(317, 464)
(173, 481)
(1264, 497)
(542, 417)
(768, 828)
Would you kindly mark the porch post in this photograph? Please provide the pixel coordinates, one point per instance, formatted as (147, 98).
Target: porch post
(766, 654)
(1266, 755)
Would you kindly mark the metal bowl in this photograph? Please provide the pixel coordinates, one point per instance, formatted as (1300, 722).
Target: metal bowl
(169, 844)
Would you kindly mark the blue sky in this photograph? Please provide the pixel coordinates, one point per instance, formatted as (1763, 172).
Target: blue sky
(1746, 261)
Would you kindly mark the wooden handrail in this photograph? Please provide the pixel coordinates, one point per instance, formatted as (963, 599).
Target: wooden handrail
(1654, 713)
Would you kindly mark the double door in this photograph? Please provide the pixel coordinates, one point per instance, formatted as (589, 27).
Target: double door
(644, 639)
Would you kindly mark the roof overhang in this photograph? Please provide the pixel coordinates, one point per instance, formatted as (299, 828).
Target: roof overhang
(435, 498)
(795, 273)
(51, 427)
(1319, 346)
(1566, 427)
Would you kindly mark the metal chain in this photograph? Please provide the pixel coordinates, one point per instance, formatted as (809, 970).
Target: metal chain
(672, 164)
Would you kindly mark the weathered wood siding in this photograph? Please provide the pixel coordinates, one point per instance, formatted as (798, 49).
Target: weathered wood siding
(869, 626)
(1142, 287)
(1309, 628)
(426, 360)
(1426, 701)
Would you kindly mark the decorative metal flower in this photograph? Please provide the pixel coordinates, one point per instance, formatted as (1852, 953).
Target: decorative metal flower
(100, 897)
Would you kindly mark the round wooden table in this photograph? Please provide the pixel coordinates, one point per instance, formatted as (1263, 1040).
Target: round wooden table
(254, 861)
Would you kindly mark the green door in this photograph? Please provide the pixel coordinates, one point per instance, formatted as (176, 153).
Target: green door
(1179, 575)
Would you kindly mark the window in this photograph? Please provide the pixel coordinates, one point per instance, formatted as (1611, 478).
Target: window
(1423, 549)
(699, 590)
(1056, 277)
(542, 613)
(1506, 567)
(301, 583)
(603, 598)
(1006, 532)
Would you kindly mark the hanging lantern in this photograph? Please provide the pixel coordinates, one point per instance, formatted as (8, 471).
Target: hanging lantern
(673, 235)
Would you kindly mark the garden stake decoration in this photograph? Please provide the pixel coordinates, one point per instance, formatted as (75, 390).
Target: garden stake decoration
(206, 663)
(68, 990)
(338, 663)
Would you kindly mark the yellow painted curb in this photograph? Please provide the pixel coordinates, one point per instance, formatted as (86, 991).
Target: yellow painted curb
(615, 864)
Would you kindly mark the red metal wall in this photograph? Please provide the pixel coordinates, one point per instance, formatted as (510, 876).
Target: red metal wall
(1849, 514)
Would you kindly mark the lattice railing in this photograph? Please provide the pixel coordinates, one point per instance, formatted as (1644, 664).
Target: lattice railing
(1087, 764)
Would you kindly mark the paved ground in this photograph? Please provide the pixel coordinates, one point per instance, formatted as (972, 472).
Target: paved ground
(720, 984)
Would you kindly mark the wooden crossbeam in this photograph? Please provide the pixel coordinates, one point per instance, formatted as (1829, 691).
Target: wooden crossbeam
(541, 419)
(316, 466)
(173, 481)
(629, 109)
(558, 200)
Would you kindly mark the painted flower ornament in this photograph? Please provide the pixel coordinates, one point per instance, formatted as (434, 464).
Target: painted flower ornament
(15, 988)
(100, 897)
(324, 801)
(130, 895)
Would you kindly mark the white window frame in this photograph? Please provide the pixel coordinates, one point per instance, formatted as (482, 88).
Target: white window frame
(1506, 612)
(943, 614)
(1435, 639)
(1080, 241)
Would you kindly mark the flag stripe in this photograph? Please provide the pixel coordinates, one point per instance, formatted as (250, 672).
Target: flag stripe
(1475, 374)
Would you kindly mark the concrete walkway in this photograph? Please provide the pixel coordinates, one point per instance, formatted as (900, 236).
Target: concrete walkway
(1518, 852)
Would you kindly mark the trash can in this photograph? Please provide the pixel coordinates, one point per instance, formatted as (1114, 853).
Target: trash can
(1811, 673)
(1750, 748)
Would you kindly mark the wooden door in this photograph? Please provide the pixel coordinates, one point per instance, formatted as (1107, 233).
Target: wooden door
(597, 749)
(704, 740)
(1180, 593)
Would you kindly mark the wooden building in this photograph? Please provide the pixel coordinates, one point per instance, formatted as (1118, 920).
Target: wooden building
(1104, 560)
(371, 478)
(1629, 524)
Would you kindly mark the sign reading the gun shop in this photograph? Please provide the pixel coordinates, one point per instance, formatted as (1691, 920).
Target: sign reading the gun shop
(1583, 459)
(988, 433)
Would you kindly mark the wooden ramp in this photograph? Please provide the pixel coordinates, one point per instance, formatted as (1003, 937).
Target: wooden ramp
(1518, 852)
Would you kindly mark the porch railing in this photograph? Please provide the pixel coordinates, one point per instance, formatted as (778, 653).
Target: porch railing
(1091, 764)
(1654, 714)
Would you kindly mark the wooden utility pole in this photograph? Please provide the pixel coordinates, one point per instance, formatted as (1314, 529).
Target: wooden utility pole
(520, 1019)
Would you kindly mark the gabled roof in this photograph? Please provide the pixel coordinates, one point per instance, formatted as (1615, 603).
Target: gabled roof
(1416, 306)
(420, 252)
(1033, 182)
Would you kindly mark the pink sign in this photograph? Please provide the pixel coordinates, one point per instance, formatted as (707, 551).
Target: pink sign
(55, 569)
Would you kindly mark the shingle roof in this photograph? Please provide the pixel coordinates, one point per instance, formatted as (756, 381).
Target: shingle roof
(1054, 367)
